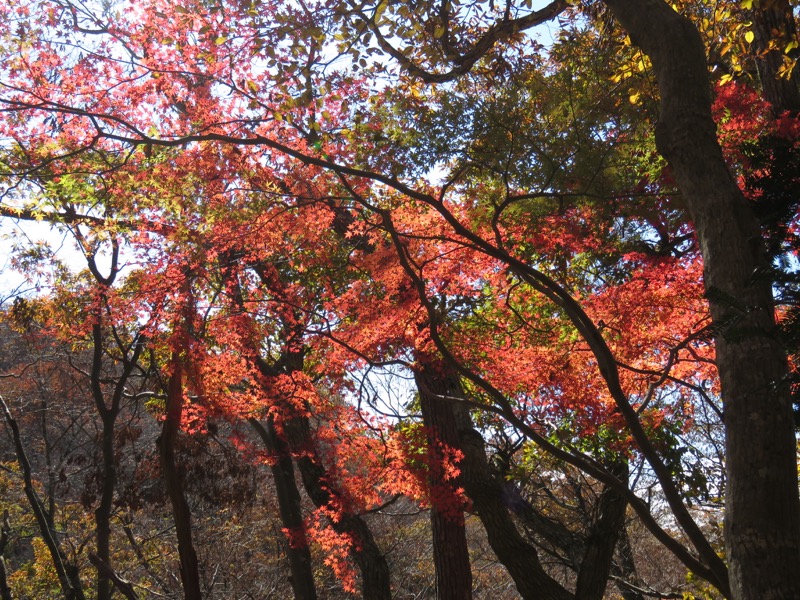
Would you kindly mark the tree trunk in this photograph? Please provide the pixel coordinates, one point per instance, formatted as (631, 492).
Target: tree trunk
(190, 575)
(102, 514)
(762, 508)
(375, 576)
(609, 521)
(485, 491)
(489, 501)
(450, 552)
(290, 510)
(68, 574)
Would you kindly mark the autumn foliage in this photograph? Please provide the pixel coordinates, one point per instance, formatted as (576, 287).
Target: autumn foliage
(325, 266)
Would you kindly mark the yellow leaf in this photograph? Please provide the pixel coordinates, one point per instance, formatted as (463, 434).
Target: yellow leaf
(379, 10)
(634, 98)
(749, 37)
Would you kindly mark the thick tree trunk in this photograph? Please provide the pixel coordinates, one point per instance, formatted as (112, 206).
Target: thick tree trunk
(450, 552)
(290, 509)
(486, 492)
(762, 508)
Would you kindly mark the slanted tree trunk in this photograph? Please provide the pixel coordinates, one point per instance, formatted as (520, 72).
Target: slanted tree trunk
(375, 576)
(322, 490)
(762, 524)
(488, 495)
(67, 573)
(297, 549)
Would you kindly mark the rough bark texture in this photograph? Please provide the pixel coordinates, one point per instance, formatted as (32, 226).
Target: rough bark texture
(190, 575)
(290, 509)
(762, 508)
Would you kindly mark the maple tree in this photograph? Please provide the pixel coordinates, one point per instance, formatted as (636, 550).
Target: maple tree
(285, 233)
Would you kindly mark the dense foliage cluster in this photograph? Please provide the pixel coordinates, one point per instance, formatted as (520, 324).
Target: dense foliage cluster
(399, 299)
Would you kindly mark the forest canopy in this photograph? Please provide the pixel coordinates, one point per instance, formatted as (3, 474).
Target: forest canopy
(382, 299)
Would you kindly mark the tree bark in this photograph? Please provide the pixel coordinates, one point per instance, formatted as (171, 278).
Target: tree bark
(125, 587)
(450, 552)
(375, 575)
(108, 477)
(488, 496)
(297, 549)
(487, 493)
(762, 508)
